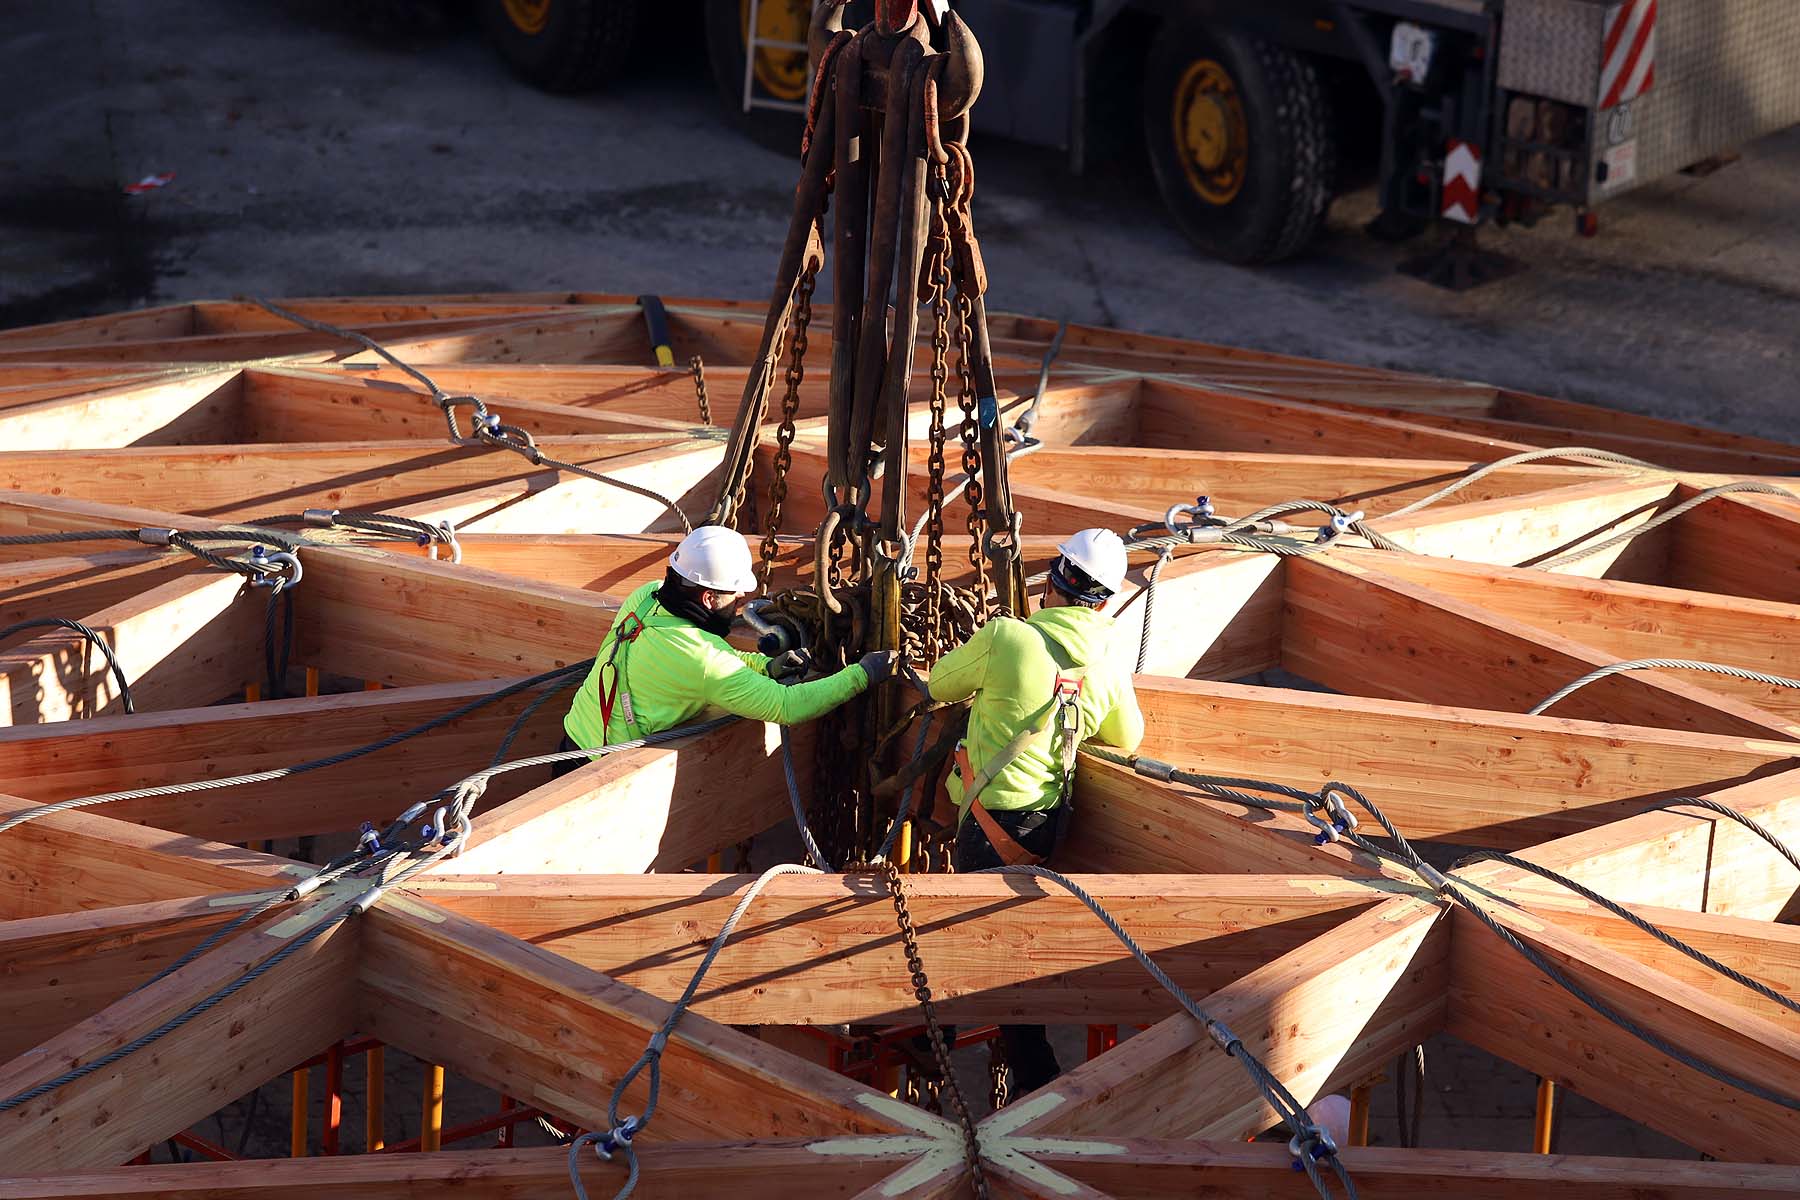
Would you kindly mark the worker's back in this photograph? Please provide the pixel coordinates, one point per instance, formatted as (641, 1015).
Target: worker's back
(1011, 669)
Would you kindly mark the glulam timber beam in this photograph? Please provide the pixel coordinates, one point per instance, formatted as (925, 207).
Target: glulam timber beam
(564, 1034)
(1500, 1002)
(46, 763)
(1141, 1169)
(242, 483)
(1322, 1015)
(399, 620)
(74, 860)
(1514, 533)
(1352, 627)
(821, 950)
(1239, 483)
(30, 512)
(1686, 857)
(63, 968)
(187, 641)
(657, 808)
(1465, 775)
(203, 407)
(832, 1169)
(82, 583)
(1625, 620)
(1738, 545)
(295, 1007)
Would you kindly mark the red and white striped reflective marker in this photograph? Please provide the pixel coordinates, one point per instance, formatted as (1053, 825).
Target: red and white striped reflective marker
(1629, 58)
(1462, 182)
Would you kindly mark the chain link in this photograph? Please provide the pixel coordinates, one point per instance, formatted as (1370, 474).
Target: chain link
(971, 456)
(939, 292)
(699, 369)
(784, 433)
(909, 941)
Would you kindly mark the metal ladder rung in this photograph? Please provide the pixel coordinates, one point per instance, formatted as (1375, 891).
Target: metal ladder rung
(751, 46)
(764, 44)
(793, 106)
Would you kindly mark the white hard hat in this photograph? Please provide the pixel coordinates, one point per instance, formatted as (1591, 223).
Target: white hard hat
(715, 557)
(1101, 554)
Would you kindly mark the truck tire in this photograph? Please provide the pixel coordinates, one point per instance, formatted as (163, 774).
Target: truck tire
(779, 75)
(1241, 141)
(562, 46)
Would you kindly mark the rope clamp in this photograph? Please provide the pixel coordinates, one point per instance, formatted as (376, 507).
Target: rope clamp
(617, 1138)
(1152, 768)
(269, 569)
(323, 517)
(1311, 1142)
(155, 535)
(1340, 523)
(446, 533)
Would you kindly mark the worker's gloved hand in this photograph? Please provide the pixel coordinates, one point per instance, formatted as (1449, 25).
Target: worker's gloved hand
(879, 664)
(790, 665)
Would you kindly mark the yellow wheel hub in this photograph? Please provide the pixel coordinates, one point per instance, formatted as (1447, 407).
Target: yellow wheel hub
(780, 73)
(529, 15)
(1211, 137)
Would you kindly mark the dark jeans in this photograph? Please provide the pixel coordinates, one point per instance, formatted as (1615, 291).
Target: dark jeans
(1028, 1050)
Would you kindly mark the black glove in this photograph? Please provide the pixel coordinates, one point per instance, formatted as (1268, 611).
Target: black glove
(791, 665)
(879, 664)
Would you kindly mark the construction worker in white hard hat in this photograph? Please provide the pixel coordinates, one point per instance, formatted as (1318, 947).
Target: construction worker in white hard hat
(665, 662)
(1040, 687)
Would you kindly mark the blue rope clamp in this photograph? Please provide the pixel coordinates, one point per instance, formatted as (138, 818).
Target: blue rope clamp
(1340, 523)
(446, 533)
(617, 1138)
(1339, 820)
(368, 841)
(278, 571)
(1311, 1142)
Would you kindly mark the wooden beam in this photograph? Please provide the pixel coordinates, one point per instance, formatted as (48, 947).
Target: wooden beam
(821, 950)
(1501, 1003)
(372, 615)
(1739, 545)
(1353, 627)
(1626, 620)
(241, 483)
(157, 412)
(565, 1034)
(294, 1008)
(1239, 483)
(1476, 777)
(82, 583)
(660, 808)
(63, 968)
(763, 1170)
(1763, 950)
(75, 860)
(1324, 1014)
(1688, 857)
(57, 762)
(1515, 532)
(1134, 1169)
(188, 641)
(1215, 615)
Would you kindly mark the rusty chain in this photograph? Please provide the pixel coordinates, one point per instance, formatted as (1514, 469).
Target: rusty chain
(909, 940)
(938, 292)
(790, 409)
(699, 369)
(971, 455)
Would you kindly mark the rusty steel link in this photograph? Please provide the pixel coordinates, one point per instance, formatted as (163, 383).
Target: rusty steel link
(971, 456)
(934, 491)
(790, 409)
(699, 369)
(909, 940)
(999, 1075)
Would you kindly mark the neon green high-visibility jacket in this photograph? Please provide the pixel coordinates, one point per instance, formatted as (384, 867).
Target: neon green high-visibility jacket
(674, 672)
(1010, 668)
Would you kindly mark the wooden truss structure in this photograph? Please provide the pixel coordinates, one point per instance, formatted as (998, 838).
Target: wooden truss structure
(540, 960)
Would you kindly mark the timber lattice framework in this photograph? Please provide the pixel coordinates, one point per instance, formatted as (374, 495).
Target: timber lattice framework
(540, 960)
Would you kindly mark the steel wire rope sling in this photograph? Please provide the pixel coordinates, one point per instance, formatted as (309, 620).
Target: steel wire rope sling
(488, 429)
(1659, 664)
(1661, 519)
(1341, 824)
(93, 636)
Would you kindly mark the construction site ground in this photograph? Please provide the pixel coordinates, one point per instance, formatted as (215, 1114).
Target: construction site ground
(313, 155)
(317, 151)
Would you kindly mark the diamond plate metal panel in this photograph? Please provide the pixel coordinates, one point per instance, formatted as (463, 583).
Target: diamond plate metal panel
(1727, 71)
(1553, 48)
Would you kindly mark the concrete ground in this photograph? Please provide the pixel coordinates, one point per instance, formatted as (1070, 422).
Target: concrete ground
(317, 155)
(314, 155)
